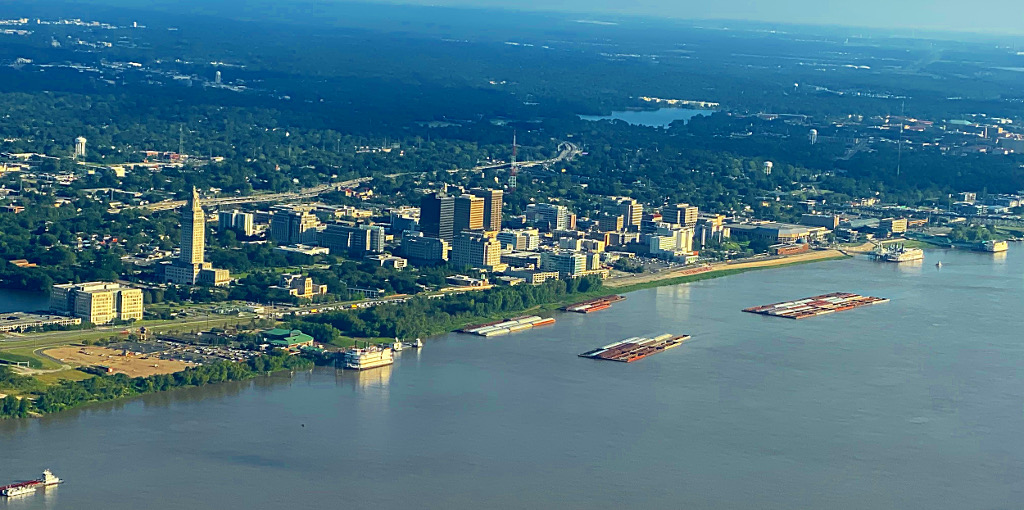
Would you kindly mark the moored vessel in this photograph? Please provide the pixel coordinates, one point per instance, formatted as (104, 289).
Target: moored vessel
(370, 357)
(898, 253)
(994, 246)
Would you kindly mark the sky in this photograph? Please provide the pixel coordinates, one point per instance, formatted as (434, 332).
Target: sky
(986, 16)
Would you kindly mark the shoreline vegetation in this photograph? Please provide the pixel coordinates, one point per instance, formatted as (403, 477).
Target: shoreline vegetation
(429, 316)
(37, 399)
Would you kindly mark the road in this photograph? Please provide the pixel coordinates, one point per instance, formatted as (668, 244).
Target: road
(313, 192)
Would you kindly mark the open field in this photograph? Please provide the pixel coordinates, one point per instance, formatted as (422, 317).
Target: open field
(133, 366)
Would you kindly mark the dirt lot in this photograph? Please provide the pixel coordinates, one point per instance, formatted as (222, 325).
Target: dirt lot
(133, 366)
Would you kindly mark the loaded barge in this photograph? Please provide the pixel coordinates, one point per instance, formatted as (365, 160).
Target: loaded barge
(594, 305)
(507, 326)
(632, 349)
(23, 488)
(816, 305)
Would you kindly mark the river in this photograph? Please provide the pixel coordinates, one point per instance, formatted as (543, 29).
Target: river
(23, 301)
(912, 404)
(660, 118)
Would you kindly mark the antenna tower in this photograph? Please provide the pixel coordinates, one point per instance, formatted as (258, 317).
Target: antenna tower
(514, 169)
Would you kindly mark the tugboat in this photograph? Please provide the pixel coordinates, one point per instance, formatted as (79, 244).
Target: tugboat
(418, 344)
(938, 264)
(397, 346)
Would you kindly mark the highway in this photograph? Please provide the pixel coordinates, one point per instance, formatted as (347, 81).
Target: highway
(306, 193)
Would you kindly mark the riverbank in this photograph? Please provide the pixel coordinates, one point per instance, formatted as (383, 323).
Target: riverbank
(642, 281)
(71, 394)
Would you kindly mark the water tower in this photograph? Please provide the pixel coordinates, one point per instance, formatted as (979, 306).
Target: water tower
(80, 147)
(813, 136)
(768, 167)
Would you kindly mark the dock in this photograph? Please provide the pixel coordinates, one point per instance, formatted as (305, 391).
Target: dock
(593, 305)
(507, 326)
(816, 305)
(632, 349)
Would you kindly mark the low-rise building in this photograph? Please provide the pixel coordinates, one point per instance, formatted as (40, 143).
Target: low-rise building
(291, 340)
(893, 225)
(301, 286)
(421, 249)
(563, 262)
(522, 239)
(391, 261)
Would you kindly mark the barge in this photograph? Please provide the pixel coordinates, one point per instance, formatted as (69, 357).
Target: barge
(816, 305)
(593, 305)
(23, 488)
(507, 326)
(632, 349)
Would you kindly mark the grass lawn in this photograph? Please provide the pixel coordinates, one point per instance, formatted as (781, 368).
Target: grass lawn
(63, 375)
(28, 354)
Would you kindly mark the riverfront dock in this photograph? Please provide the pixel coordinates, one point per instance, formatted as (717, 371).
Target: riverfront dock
(507, 326)
(816, 305)
(593, 305)
(632, 349)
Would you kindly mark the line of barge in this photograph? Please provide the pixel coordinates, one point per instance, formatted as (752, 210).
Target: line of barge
(632, 349)
(507, 326)
(593, 305)
(816, 305)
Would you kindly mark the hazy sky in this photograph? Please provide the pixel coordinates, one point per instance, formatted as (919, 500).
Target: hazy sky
(1003, 16)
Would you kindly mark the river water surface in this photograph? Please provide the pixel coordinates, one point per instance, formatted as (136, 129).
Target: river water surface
(917, 403)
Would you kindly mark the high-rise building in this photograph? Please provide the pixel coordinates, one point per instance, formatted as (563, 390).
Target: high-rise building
(437, 216)
(420, 249)
(242, 222)
(494, 200)
(193, 231)
(550, 216)
(97, 302)
(469, 213)
(79, 147)
(632, 212)
(190, 267)
(680, 214)
(293, 226)
(475, 249)
(611, 222)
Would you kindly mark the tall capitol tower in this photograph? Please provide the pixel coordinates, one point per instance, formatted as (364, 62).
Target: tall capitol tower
(190, 268)
(193, 231)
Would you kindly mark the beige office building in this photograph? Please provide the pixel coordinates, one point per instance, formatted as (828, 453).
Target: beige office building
(97, 302)
(494, 199)
(469, 213)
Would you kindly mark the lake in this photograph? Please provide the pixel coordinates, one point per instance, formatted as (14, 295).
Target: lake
(912, 404)
(660, 118)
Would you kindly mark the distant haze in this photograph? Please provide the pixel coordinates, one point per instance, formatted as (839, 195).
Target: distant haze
(995, 16)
